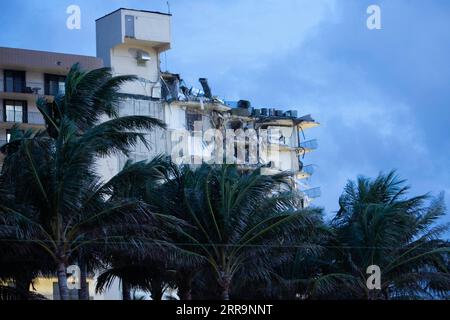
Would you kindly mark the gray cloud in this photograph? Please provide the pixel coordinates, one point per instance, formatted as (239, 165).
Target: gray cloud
(382, 96)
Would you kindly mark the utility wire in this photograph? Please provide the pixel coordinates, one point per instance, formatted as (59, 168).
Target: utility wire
(225, 245)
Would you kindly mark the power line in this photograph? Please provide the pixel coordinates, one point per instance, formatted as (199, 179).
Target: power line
(149, 242)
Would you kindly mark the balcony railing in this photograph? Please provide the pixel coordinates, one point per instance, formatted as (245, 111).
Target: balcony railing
(30, 87)
(313, 193)
(34, 118)
(309, 169)
(309, 145)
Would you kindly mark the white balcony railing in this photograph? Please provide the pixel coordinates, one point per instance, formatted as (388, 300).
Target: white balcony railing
(313, 193)
(309, 169)
(309, 145)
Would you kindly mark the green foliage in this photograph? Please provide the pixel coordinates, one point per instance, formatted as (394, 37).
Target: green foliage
(377, 224)
(210, 232)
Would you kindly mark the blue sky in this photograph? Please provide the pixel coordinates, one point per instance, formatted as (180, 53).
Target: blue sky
(382, 96)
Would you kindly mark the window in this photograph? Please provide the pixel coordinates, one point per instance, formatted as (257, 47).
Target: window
(191, 118)
(54, 84)
(129, 26)
(14, 81)
(15, 111)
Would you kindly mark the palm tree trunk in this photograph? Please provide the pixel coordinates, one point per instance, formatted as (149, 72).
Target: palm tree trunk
(126, 290)
(185, 292)
(157, 289)
(62, 281)
(23, 282)
(225, 283)
(83, 293)
(184, 284)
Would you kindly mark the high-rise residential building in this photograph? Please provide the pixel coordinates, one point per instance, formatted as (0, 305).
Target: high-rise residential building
(26, 75)
(132, 42)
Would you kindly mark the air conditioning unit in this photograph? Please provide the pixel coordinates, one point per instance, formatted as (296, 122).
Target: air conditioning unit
(291, 113)
(143, 56)
(256, 112)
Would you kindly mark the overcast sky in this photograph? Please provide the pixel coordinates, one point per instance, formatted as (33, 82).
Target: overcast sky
(382, 96)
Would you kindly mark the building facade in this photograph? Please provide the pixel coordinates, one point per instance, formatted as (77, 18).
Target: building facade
(26, 75)
(131, 42)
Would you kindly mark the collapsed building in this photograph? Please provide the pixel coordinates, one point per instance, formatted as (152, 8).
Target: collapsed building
(132, 42)
(284, 138)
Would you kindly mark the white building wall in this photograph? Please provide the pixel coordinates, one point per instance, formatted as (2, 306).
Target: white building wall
(108, 35)
(123, 59)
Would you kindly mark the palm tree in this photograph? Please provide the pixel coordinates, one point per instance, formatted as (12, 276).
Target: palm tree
(377, 224)
(20, 263)
(240, 222)
(69, 207)
(149, 269)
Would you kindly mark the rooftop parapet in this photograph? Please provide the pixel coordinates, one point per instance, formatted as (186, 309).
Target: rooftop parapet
(44, 61)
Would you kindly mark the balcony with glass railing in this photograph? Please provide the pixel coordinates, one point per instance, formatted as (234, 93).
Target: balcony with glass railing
(305, 172)
(309, 146)
(313, 193)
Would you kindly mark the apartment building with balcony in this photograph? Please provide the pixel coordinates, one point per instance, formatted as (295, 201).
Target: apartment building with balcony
(131, 42)
(26, 75)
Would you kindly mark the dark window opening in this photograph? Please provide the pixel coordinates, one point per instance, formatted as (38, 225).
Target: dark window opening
(54, 84)
(14, 81)
(191, 118)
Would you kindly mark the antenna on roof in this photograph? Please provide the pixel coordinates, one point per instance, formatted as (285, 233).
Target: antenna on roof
(168, 7)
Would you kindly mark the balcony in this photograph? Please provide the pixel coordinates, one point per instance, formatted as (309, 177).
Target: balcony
(313, 193)
(32, 91)
(33, 119)
(309, 146)
(306, 172)
(306, 122)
